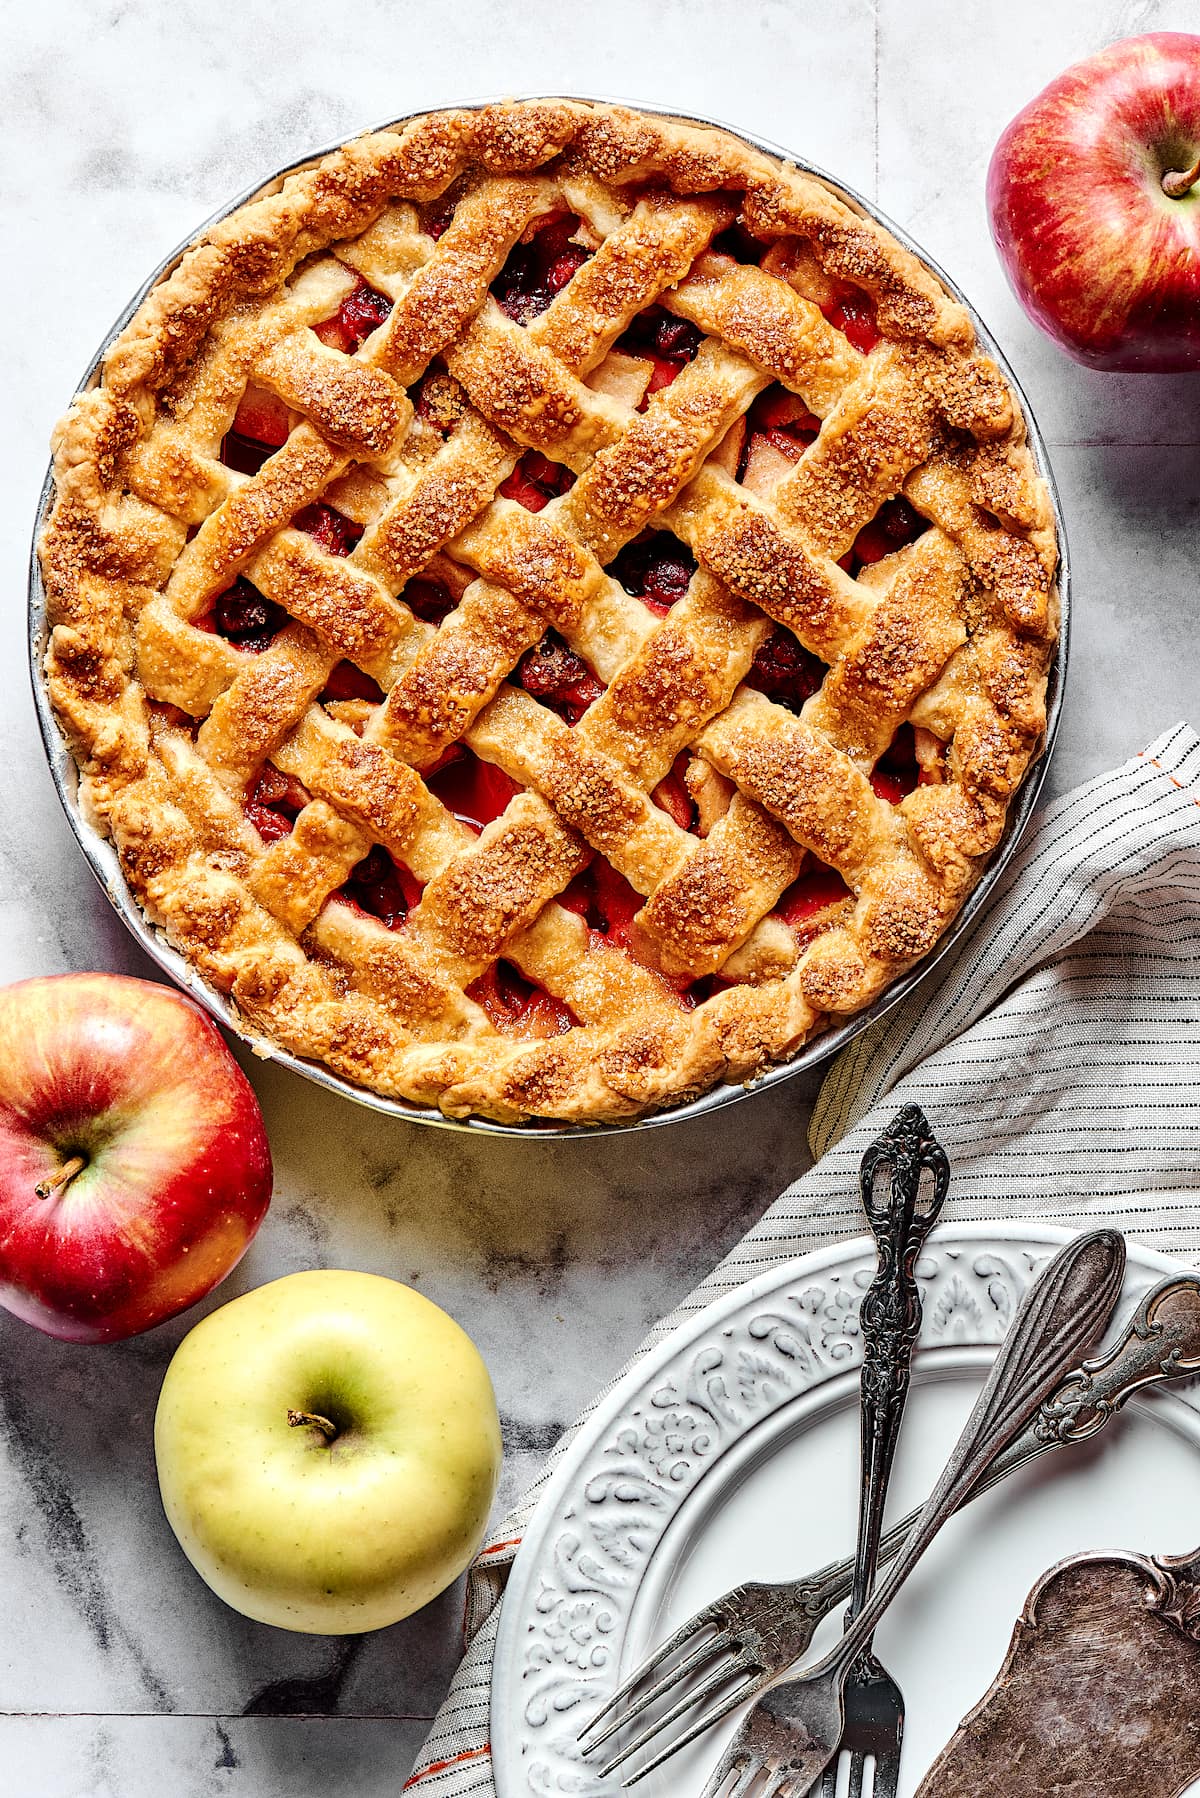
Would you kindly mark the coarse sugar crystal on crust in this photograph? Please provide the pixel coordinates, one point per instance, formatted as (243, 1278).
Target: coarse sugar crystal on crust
(336, 486)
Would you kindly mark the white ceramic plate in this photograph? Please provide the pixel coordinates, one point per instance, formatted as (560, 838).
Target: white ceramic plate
(731, 1453)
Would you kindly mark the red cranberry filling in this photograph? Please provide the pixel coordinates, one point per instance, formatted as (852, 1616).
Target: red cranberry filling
(362, 311)
(474, 790)
(785, 671)
(436, 218)
(537, 270)
(383, 888)
(606, 902)
(784, 420)
(246, 617)
(655, 568)
(816, 888)
(272, 802)
(896, 772)
(260, 425)
(334, 532)
(608, 905)
(535, 481)
(244, 454)
(672, 795)
(428, 598)
(669, 342)
(738, 243)
(518, 1009)
(895, 524)
(349, 682)
(853, 313)
(553, 673)
(706, 988)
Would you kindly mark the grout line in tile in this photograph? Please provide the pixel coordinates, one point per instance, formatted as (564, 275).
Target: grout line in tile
(875, 5)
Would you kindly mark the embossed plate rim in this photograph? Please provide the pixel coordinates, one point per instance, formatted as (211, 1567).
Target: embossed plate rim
(522, 1641)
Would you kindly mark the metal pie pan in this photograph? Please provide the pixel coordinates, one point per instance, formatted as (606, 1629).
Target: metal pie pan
(102, 857)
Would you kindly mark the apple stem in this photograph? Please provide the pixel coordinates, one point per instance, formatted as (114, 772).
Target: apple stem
(327, 1429)
(57, 1182)
(1177, 182)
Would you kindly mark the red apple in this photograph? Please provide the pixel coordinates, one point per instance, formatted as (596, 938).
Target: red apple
(134, 1166)
(1094, 194)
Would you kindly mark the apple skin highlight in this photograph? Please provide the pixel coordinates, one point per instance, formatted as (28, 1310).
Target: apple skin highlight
(1097, 253)
(132, 1080)
(328, 1450)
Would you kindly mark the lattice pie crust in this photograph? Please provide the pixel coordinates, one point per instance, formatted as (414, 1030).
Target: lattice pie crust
(407, 436)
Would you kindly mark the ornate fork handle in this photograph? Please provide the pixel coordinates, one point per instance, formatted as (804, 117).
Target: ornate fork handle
(775, 1623)
(1062, 1312)
(901, 1212)
(1160, 1342)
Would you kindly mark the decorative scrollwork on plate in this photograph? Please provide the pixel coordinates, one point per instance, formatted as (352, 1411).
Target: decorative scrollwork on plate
(726, 1371)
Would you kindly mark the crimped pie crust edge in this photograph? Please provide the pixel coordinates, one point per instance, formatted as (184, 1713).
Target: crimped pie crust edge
(94, 553)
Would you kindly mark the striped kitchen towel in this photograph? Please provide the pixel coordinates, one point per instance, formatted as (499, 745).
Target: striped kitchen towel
(1057, 1055)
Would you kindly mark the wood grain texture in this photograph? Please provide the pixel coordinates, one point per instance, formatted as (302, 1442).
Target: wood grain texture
(1099, 1696)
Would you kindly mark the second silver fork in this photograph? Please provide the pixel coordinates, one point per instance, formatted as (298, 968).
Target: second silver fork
(738, 1644)
(793, 1732)
(901, 1213)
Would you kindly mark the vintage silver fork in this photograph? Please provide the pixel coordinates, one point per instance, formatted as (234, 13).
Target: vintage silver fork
(793, 1731)
(767, 1628)
(901, 1218)
(757, 1637)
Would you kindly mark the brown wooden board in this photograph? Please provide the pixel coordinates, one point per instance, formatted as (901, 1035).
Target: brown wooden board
(1099, 1696)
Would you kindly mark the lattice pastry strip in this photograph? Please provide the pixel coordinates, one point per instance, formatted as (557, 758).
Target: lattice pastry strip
(294, 877)
(951, 634)
(647, 848)
(898, 652)
(521, 203)
(448, 290)
(737, 538)
(390, 805)
(316, 834)
(596, 778)
(622, 489)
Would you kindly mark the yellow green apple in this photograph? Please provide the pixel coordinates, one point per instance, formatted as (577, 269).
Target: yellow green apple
(328, 1449)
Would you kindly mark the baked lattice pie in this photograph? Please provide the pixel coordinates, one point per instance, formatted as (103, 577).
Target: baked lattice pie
(551, 606)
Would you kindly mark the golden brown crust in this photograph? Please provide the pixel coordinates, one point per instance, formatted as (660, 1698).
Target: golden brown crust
(953, 634)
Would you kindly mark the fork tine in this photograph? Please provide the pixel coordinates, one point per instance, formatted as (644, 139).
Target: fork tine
(725, 1672)
(887, 1775)
(722, 1708)
(683, 1637)
(711, 1647)
(858, 1766)
(745, 1768)
(829, 1779)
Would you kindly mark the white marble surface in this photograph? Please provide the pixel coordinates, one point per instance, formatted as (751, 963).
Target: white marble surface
(122, 125)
